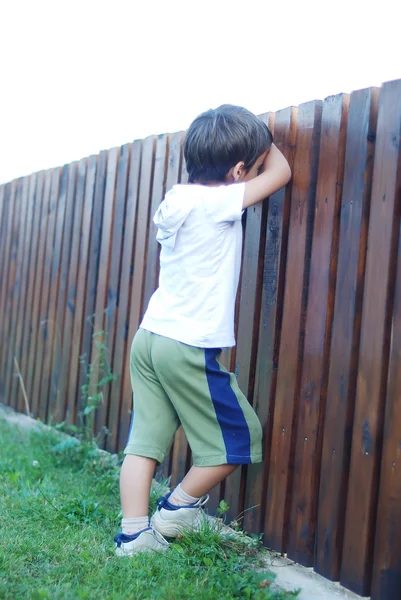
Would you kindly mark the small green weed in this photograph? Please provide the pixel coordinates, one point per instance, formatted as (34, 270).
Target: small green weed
(59, 512)
(98, 375)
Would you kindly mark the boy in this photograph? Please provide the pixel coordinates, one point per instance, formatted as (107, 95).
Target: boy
(175, 370)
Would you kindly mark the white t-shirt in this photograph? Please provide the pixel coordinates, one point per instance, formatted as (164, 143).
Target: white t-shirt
(200, 232)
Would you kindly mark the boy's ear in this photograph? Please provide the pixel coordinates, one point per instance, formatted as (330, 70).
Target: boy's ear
(236, 173)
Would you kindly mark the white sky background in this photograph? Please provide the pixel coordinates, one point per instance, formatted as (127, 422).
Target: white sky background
(80, 76)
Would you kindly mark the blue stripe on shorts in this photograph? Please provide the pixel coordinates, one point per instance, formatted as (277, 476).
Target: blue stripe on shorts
(230, 416)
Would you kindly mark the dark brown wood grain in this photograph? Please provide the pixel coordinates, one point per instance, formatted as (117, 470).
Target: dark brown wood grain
(74, 393)
(51, 327)
(387, 555)
(12, 216)
(38, 296)
(15, 384)
(92, 269)
(120, 411)
(16, 292)
(345, 334)
(319, 316)
(99, 337)
(46, 325)
(272, 289)
(284, 420)
(367, 434)
(30, 288)
(111, 312)
(56, 392)
(138, 266)
(68, 309)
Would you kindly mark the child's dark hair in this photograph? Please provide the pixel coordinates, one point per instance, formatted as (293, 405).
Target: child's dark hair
(220, 138)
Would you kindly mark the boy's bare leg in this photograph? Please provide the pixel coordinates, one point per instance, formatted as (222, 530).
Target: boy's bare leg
(135, 481)
(200, 480)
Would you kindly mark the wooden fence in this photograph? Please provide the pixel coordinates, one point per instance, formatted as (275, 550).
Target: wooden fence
(318, 317)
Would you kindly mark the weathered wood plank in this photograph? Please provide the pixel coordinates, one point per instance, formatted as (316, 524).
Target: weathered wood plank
(284, 122)
(102, 284)
(57, 394)
(37, 296)
(70, 295)
(46, 328)
(7, 258)
(15, 384)
(291, 343)
(138, 267)
(92, 269)
(117, 242)
(374, 347)
(319, 318)
(337, 430)
(73, 397)
(121, 407)
(51, 326)
(17, 291)
(30, 287)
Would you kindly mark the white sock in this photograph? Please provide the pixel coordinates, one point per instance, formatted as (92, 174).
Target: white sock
(181, 498)
(134, 525)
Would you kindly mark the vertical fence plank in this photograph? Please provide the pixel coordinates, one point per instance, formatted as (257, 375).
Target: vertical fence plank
(12, 220)
(139, 258)
(83, 259)
(113, 280)
(374, 346)
(56, 396)
(319, 317)
(5, 241)
(120, 411)
(51, 327)
(30, 288)
(345, 330)
(16, 292)
(62, 409)
(2, 217)
(291, 343)
(248, 318)
(37, 295)
(121, 406)
(45, 329)
(102, 284)
(387, 557)
(26, 243)
(93, 267)
(270, 319)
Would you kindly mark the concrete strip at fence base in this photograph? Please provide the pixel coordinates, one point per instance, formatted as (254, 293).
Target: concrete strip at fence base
(291, 576)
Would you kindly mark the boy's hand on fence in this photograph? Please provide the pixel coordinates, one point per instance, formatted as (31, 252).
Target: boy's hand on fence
(276, 174)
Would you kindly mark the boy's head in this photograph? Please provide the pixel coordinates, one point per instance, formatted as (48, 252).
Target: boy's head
(224, 145)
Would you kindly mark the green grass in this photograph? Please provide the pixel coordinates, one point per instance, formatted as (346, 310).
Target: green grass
(59, 512)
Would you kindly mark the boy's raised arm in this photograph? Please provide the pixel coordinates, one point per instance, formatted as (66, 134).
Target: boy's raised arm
(276, 174)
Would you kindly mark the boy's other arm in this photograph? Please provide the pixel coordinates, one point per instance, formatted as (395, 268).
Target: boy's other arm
(276, 174)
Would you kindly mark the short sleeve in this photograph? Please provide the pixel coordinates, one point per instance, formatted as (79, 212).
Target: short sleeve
(224, 203)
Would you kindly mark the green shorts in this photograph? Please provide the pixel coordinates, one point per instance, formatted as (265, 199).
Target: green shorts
(175, 384)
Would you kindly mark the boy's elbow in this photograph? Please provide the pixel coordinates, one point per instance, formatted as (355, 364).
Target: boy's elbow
(286, 174)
